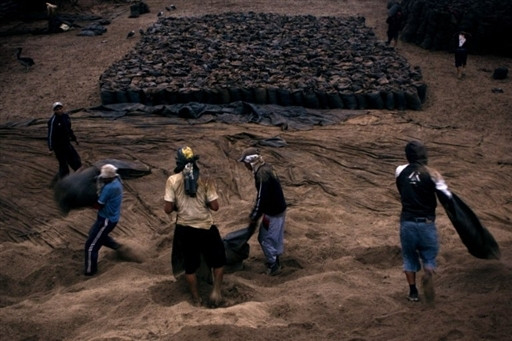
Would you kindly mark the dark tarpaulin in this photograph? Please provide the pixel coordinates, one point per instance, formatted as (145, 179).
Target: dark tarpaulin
(78, 190)
(477, 239)
(293, 117)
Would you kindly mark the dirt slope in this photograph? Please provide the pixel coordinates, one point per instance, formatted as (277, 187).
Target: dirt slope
(342, 278)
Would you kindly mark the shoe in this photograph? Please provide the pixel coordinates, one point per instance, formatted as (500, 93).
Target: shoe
(413, 297)
(273, 269)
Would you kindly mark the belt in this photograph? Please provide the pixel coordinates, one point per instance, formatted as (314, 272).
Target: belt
(422, 220)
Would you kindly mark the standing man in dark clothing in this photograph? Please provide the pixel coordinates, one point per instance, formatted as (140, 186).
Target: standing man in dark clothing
(110, 197)
(60, 136)
(395, 23)
(270, 205)
(461, 53)
(417, 185)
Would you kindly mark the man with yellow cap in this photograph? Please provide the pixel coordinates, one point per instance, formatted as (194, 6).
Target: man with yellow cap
(193, 198)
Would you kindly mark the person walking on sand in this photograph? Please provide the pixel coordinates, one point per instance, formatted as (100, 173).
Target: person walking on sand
(270, 205)
(417, 185)
(60, 136)
(193, 197)
(461, 53)
(110, 197)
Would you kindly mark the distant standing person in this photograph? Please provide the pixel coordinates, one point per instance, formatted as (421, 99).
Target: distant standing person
(417, 186)
(110, 197)
(60, 136)
(395, 24)
(193, 197)
(270, 205)
(461, 53)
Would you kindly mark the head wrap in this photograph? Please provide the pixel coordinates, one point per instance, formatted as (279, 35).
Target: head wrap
(416, 152)
(186, 163)
(251, 156)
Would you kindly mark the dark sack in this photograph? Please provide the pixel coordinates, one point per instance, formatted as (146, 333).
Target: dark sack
(477, 239)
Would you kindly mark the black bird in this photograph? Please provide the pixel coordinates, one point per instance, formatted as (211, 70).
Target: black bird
(27, 62)
(130, 34)
(141, 31)
(160, 13)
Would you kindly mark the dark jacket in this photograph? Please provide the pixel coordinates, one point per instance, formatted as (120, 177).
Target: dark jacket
(417, 192)
(270, 198)
(59, 132)
(395, 22)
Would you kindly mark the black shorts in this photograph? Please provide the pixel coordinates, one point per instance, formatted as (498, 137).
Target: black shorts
(197, 242)
(461, 57)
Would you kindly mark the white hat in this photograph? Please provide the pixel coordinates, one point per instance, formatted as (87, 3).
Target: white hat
(108, 171)
(56, 104)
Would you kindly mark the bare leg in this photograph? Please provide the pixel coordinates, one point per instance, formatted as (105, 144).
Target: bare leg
(428, 285)
(192, 285)
(411, 277)
(413, 291)
(216, 295)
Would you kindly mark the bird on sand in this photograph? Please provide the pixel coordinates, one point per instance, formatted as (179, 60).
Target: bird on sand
(130, 34)
(27, 62)
(141, 31)
(160, 13)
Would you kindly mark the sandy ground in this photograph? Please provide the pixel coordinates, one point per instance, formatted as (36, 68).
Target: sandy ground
(342, 277)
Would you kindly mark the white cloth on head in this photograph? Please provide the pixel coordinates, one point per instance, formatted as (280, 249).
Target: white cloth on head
(251, 158)
(462, 40)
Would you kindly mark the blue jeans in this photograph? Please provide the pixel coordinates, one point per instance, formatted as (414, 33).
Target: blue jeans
(271, 236)
(419, 241)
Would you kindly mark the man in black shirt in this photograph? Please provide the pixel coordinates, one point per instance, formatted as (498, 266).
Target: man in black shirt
(270, 205)
(60, 136)
(417, 185)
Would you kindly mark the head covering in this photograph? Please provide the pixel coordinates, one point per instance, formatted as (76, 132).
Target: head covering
(186, 163)
(56, 104)
(249, 155)
(416, 152)
(184, 155)
(108, 171)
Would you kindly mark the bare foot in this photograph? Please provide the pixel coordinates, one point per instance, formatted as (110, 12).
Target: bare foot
(215, 299)
(197, 302)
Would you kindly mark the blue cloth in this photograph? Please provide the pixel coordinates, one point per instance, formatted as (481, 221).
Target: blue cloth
(419, 241)
(111, 197)
(271, 236)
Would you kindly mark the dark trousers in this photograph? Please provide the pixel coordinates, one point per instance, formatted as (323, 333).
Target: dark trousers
(98, 236)
(67, 156)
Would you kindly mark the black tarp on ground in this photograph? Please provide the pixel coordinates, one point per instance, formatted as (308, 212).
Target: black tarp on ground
(78, 190)
(293, 117)
(477, 239)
